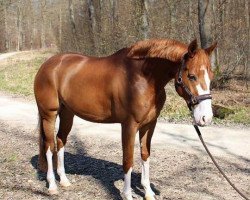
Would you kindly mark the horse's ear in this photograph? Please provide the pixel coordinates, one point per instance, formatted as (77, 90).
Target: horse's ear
(210, 49)
(192, 47)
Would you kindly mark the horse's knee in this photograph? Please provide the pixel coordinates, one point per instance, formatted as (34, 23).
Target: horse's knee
(61, 141)
(127, 164)
(50, 145)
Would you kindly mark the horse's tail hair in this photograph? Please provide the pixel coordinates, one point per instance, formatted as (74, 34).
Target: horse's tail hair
(42, 161)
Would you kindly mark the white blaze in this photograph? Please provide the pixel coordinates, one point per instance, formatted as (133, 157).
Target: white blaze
(203, 111)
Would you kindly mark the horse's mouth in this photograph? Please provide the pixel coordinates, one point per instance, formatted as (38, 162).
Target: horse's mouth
(202, 122)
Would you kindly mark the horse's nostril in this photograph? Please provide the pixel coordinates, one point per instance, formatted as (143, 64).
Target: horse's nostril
(203, 119)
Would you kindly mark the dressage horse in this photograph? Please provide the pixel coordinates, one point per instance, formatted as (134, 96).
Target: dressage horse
(127, 88)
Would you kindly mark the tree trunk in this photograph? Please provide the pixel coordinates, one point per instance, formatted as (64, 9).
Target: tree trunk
(247, 63)
(6, 45)
(3, 25)
(204, 18)
(19, 28)
(60, 27)
(93, 25)
(73, 24)
(145, 24)
(43, 31)
(216, 63)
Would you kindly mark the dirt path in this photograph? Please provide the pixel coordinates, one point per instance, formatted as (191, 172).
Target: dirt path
(180, 169)
(7, 55)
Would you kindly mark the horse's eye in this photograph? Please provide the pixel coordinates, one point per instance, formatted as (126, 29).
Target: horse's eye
(192, 77)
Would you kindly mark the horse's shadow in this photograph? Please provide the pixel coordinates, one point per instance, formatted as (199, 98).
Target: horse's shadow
(106, 172)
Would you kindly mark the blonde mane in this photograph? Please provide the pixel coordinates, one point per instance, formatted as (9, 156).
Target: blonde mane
(158, 48)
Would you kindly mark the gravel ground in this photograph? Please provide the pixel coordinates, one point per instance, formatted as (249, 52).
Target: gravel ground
(94, 167)
(180, 169)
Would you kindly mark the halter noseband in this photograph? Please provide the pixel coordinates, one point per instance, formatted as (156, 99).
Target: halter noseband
(193, 100)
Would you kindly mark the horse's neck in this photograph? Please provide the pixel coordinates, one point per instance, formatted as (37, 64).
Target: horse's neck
(166, 62)
(161, 71)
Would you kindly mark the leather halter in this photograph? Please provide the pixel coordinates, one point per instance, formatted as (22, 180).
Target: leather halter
(193, 100)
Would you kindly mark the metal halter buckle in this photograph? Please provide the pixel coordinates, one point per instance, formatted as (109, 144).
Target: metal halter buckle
(194, 100)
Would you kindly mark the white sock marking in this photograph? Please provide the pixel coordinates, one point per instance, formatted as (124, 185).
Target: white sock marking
(145, 179)
(127, 185)
(50, 174)
(60, 168)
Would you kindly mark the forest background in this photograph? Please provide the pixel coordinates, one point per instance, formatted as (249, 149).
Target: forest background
(101, 27)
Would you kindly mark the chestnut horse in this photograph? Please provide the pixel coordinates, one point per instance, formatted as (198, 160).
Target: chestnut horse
(127, 88)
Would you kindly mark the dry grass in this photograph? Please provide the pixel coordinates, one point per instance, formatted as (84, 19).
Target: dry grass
(17, 72)
(236, 96)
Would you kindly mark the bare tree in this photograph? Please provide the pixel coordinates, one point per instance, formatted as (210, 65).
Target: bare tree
(99, 27)
(73, 24)
(247, 62)
(3, 25)
(42, 16)
(145, 23)
(204, 18)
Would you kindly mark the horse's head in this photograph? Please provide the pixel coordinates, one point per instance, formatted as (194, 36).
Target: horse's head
(193, 82)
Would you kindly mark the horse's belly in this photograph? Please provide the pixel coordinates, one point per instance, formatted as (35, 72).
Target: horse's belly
(94, 117)
(89, 107)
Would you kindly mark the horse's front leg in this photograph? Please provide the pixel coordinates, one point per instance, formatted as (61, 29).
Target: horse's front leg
(146, 134)
(129, 130)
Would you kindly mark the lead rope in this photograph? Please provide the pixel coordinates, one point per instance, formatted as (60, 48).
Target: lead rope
(215, 163)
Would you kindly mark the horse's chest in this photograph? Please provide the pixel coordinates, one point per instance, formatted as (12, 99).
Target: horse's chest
(147, 106)
(141, 87)
(143, 107)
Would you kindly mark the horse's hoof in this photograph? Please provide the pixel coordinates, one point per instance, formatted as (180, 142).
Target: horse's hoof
(126, 196)
(53, 191)
(65, 184)
(149, 198)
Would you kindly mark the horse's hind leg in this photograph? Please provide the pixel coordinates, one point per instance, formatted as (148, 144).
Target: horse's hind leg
(146, 134)
(66, 121)
(48, 119)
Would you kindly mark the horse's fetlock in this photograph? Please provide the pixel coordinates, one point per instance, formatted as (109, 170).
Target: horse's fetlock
(50, 178)
(60, 171)
(127, 195)
(143, 184)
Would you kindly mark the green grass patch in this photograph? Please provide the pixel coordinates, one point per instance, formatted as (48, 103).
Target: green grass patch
(241, 115)
(17, 74)
(175, 108)
(12, 158)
